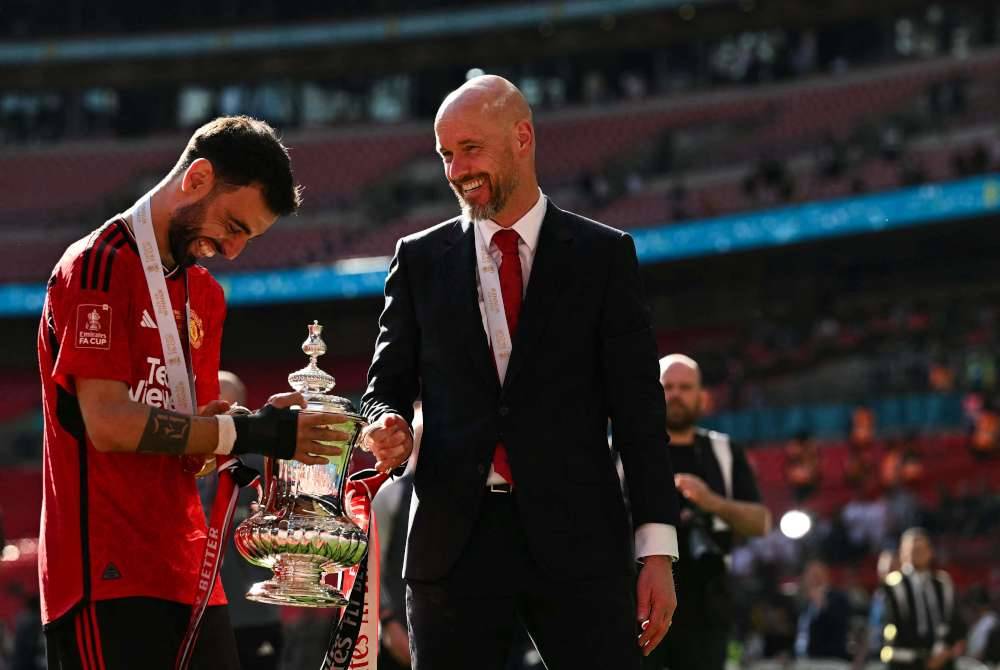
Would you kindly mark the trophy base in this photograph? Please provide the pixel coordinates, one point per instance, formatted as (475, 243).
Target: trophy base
(272, 592)
(298, 581)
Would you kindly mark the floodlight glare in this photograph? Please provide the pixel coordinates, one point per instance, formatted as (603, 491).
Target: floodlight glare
(795, 524)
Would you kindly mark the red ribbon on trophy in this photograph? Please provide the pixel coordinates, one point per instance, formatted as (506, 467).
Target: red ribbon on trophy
(233, 476)
(354, 638)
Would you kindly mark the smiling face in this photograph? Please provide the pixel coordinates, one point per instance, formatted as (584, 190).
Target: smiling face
(486, 142)
(221, 221)
(479, 164)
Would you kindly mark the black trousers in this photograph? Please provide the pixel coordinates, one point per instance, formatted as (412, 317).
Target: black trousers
(130, 633)
(691, 647)
(469, 619)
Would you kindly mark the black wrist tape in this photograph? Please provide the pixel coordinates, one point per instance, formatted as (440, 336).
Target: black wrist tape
(269, 432)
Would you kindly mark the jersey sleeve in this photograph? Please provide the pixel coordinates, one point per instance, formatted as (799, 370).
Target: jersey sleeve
(91, 304)
(744, 480)
(207, 370)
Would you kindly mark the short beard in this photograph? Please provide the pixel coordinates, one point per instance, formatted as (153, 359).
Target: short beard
(185, 228)
(687, 419)
(501, 189)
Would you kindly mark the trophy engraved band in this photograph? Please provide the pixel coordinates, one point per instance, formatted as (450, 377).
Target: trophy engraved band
(301, 530)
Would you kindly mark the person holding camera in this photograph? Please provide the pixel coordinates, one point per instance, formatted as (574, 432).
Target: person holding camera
(922, 627)
(719, 499)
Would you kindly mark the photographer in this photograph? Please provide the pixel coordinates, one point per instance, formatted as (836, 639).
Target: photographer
(719, 498)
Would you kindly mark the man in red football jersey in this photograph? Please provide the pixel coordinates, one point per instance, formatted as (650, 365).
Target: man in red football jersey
(130, 391)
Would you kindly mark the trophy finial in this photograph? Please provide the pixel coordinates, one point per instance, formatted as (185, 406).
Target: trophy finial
(311, 380)
(314, 345)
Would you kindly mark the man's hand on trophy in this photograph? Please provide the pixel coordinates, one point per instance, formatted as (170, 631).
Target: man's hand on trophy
(278, 431)
(313, 437)
(390, 440)
(312, 431)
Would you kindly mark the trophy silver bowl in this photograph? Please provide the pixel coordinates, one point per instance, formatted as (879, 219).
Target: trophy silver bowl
(301, 530)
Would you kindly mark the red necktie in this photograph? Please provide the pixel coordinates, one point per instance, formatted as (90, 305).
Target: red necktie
(512, 289)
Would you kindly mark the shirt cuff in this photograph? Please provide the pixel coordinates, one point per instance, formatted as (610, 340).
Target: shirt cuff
(656, 539)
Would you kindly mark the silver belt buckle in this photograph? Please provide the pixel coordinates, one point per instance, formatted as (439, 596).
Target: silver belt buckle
(499, 488)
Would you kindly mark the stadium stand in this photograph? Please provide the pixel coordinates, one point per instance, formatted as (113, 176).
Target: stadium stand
(902, 329)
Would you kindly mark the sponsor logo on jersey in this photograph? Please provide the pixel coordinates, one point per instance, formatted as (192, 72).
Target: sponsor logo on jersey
(111, 572)
(93, 326)
(147, 321)
(153, 390)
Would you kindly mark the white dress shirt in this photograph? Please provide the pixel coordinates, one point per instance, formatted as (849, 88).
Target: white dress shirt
(651, 539)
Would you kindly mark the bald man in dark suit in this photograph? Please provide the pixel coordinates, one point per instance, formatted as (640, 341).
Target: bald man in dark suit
(523, 329)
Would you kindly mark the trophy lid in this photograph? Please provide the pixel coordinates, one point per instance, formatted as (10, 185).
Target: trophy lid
(314, 383)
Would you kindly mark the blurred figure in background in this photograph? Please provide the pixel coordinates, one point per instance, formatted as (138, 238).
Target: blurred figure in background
(824, 618)
(392, 510)
(921, 628)
(802, 465)
(719, 498)
(28, 652)
(985, 627)
(871, 641)
(860, 470)
(901, 464)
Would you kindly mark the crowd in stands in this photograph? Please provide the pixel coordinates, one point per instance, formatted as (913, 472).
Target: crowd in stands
(859, 346)
(110, 17)
(590, 78)
(859, 509)
(644, 163)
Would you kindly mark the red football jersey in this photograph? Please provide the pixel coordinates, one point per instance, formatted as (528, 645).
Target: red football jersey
(118, 524)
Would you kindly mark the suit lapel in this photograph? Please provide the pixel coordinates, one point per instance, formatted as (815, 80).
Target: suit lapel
(546, 283)
(459, 282)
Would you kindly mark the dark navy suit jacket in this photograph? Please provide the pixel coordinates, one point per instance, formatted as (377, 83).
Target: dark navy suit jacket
(583, 353)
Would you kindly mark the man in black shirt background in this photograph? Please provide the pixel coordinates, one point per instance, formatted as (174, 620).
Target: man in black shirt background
(719, 499)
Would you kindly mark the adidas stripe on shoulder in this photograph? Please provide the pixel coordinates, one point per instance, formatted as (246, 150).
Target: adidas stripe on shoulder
(99, 256)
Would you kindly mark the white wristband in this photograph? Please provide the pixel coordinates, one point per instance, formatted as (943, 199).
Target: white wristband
(227, 434)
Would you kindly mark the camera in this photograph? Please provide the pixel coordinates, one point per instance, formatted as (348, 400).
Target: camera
(702, 549)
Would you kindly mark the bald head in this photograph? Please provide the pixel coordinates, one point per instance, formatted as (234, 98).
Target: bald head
(486, 139)
(231, 388)
(489, 96)
(681, 381)
(687, 362)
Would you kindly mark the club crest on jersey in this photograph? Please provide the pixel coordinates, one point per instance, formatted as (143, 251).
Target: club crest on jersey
(93, 326)
(196, 329)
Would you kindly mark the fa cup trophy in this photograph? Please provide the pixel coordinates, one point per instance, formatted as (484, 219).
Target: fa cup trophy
(301, 531)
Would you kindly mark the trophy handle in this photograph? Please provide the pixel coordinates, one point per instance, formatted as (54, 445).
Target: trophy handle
(268, 491)
(359, 424)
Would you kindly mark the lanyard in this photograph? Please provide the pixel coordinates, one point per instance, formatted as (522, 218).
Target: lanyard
(233, 476)
(496, 318)
(178, 372)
